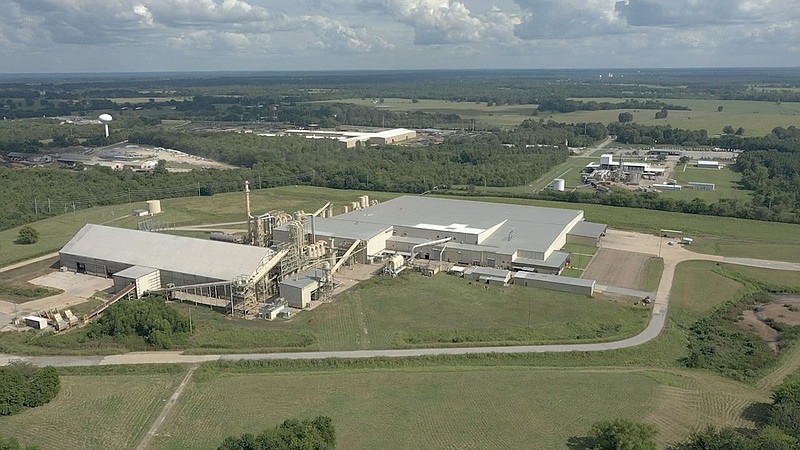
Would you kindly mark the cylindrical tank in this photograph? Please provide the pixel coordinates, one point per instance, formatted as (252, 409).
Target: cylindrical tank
(560, 184)
(364, 201)
(153, 207)
(395, 263)
(346, 209)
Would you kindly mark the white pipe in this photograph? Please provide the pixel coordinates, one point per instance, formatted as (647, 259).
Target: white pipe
(425, 244)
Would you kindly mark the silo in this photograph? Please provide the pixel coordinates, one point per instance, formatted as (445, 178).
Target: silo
(364, 201)
(153, 207)
(559, 184)
(346, 209)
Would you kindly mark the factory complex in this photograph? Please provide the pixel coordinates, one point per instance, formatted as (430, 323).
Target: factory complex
(288, 261)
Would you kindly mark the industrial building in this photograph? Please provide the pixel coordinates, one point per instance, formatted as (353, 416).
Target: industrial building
(608, 164)
(511, 237)
(555, 282)
(220, 270)
(709, 164)
(350, 139)
(292, 259)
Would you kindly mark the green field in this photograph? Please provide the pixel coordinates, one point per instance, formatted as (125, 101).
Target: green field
(696, 289)
(757, 118)
(726, 180)
(94, 412)
(651, 276)
(502, 115)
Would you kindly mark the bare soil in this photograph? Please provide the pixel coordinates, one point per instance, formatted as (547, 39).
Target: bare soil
(616, 268)
(753, 323)
(780, 313)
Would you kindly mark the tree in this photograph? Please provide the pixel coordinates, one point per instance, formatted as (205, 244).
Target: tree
(728, 130)
(785, 410)
(712, 438)
(719, 108)
(739, 131)
(623, 434)
(625, 117)
(662, 114)
(292, 434)
(27, 235)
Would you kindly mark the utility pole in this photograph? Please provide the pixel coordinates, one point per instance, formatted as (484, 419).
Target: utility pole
(36, 206)
(49, 210)
(198, 189)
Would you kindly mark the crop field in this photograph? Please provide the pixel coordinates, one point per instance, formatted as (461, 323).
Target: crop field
(94, 412)
(757, 118)
(726, 180)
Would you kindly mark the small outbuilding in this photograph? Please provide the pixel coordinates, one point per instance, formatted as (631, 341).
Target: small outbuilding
(146, 279)
(555, 282)
(484, 274)
(709, 164)
(35, 322)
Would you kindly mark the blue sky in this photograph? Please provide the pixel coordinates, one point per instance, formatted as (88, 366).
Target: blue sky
(180, 35)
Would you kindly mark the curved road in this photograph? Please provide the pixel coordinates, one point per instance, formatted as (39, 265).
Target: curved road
(628, 241)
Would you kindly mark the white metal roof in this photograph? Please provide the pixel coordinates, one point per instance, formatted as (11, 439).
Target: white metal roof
(200, 257)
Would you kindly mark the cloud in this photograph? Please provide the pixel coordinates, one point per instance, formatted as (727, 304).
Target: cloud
(446, 21)
(686, 13)
(333, 35)
(567, 19)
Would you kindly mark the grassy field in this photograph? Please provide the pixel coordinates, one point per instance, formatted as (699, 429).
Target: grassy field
(502, 115)
(445, 409)
(726, 180)
(757, 118)
(14, 285)
(651, 276)
(786, 278)
(697, 289)
(94, 412)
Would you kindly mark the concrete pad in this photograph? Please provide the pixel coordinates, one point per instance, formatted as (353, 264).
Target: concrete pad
(76, 284)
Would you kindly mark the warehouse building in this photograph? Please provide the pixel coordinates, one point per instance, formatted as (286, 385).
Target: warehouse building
(154, 259)
(555, 282)
(484, 234)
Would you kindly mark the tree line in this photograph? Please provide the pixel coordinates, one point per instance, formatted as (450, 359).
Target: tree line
(293, 434)
(564, 105)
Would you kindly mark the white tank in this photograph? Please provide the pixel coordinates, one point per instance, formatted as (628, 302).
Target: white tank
(559, 184)
(346, 209)
(395, 263)
(153, 207)
(364, 201)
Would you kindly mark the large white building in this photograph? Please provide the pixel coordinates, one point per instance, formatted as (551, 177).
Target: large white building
(479, 233)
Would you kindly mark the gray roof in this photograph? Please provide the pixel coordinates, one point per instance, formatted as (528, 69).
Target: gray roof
(200, 257)
(556, 260)
(135, 272)
(345, 229)
(588, 229)
(554, 279)
(487, 272)
(304, 279)
(413, 210)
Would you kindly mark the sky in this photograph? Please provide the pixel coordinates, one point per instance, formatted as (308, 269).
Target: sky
(62, 36)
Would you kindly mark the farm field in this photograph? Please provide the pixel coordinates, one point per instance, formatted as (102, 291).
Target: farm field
(757, 118)
(94, 411)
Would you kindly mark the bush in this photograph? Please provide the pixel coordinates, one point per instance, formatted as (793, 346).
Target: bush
(27, 235)
(22, 385)
(623, 434)
(292, 434)
(12, 444)
(149, 319)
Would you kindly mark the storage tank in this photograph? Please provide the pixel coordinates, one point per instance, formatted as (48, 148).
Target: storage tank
(153, 207)
(364, 201)
(346, 209)
(559, 184)
(395, 263)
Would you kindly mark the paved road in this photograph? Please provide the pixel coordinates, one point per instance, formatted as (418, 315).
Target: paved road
(672, 254)
(28, 261)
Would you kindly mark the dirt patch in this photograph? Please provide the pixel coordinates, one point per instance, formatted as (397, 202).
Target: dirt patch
(753, 323)
(617, 268)
(779, 312)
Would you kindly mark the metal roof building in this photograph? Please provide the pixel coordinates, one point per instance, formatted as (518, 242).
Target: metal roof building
(482, 233)
(104, 251)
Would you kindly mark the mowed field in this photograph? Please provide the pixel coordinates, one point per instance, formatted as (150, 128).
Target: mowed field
(473, 408)
(416, 311)
(725, 179)
(94, 412)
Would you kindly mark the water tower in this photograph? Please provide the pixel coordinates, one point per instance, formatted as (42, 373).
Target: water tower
(105, 119)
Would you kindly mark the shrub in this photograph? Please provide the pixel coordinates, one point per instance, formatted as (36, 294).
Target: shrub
(27, 235)
(149, 319)
(22, 385)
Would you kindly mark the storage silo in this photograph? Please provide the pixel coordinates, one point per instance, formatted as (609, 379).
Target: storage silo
(559, 184)
(154, 207)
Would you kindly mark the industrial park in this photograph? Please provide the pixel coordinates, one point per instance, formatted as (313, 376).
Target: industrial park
(288, 262)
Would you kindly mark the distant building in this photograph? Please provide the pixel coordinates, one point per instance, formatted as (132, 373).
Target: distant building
(709, 164)
(29, 158)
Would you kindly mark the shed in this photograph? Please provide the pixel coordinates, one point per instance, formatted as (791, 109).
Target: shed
(709, 164)
(145, 278)
(484, 273)
(555, 282)
(299, 291)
